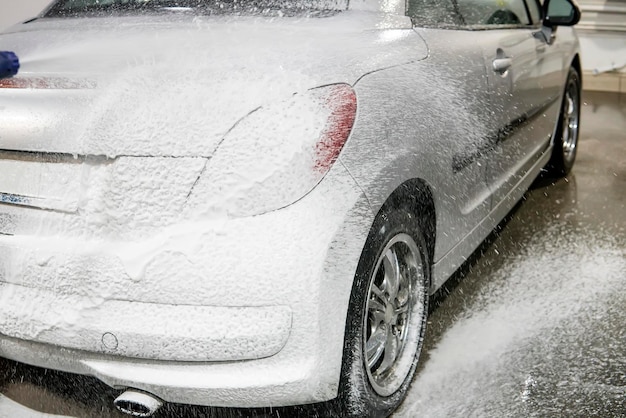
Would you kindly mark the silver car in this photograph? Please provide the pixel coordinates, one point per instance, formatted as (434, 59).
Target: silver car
(248, 203)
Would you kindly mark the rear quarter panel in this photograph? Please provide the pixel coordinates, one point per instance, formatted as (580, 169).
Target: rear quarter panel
(417, 121)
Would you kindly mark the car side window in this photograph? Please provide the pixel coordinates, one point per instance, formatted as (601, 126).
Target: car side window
(493, 12)
(434, 13)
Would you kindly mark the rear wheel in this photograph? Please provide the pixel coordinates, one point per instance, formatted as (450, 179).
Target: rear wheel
(566, 137)
(386, 317)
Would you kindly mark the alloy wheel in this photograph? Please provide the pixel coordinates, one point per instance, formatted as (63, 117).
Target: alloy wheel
(395, 310)
(570, 121)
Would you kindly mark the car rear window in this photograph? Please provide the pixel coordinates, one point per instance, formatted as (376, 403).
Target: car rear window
(75, 8)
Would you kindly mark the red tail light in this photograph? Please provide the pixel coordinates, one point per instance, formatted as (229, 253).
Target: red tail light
(341, 101)
(45, 83)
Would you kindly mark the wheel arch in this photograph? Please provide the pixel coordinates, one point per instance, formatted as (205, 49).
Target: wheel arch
(411, 202)
(576, 64)
(416, 196)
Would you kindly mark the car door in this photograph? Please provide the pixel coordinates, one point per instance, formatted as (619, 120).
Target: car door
(520, 69)
(453, 90)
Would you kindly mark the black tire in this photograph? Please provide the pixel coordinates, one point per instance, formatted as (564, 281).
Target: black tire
(377, 391)
(566, 135)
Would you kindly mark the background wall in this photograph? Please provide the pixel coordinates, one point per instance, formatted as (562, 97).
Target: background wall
(15, 11)
(602, 31)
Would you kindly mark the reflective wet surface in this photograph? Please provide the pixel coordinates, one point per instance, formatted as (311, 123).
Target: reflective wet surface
(533, 325)
(536, 325)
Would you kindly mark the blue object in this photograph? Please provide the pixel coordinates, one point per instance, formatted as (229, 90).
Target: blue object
(9, 64)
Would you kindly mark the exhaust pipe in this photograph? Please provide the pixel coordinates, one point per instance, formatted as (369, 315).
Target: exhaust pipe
(137, 404)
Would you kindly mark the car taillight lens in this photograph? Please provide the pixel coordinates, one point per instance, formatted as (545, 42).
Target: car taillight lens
(278, 153)
(342, 103)
(46, 83)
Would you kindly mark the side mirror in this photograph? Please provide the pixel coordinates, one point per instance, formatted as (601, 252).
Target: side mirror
(560, 13)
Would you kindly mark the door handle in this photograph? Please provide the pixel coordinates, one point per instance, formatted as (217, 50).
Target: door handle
(501, 65)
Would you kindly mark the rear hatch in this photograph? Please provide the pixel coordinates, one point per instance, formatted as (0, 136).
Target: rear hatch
(159, 86)
(96, 96)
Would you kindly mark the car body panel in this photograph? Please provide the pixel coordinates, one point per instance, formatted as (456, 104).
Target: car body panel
(432, 91)
(128, 76)
(144, 115)
(524, 103)
(193, 267)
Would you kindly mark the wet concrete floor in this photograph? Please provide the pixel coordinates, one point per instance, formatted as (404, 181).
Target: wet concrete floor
(533, 326)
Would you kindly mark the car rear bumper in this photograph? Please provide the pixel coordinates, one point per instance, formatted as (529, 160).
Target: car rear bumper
(240, 312)
(277, 380)
(143, 330)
